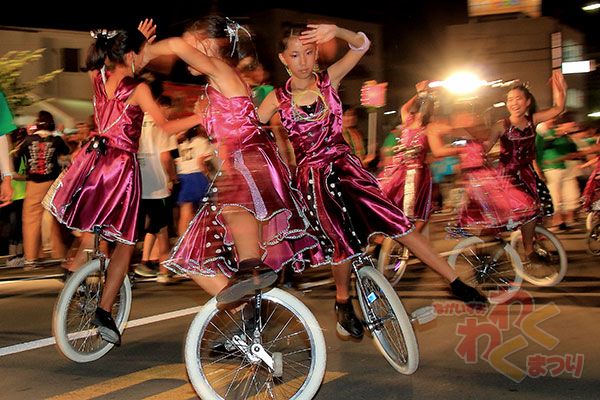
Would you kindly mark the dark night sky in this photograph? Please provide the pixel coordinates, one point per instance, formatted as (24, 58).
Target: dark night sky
(413, 31)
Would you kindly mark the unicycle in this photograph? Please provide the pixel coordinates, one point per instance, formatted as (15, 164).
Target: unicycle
(385, 317)
(551, 250)
(272, 348)
(76, 337)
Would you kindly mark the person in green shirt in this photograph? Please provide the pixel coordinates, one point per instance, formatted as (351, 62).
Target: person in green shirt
(6, 126)
(553, 144)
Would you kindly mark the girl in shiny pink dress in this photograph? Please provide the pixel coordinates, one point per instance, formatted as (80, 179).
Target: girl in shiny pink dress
(407, 180)
(252, 223)
(101, 188)
(345, 202)
(517, 148)
(491, 202)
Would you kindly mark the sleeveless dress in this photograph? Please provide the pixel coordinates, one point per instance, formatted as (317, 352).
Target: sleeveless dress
(102, 186)
(252, 177)
(491, 203)
(346, 205)
(517, 153)
(407, 180)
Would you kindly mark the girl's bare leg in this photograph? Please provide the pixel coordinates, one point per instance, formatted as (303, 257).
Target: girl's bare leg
(341, 276)
(527, 231)
(117, 269)
(86, 242)
(421, 248)
(244, 229)
(211, 284)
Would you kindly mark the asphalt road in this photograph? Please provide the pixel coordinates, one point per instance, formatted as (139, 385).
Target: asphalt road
(547, 349)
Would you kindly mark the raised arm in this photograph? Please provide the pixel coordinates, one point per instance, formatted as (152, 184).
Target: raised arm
(358, 42)
(143, 97)
(559, 94)
(435, 133)
(190, 55)
(405, 109)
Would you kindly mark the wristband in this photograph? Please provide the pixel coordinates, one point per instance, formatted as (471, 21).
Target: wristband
(7, 175)
(366, 43)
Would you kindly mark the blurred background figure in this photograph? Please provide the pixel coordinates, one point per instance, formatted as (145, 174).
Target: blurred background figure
(553, 145)
(352, 135)
(40, 152)
(195, 154)
(155, 213)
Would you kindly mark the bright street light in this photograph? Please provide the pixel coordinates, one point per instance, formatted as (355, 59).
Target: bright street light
(594, 114)
(591, 7)
(460, 83)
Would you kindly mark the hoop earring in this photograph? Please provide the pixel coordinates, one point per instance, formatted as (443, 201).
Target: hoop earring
(288, 70)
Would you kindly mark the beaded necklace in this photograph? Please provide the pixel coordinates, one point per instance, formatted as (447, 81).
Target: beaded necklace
(298, 114)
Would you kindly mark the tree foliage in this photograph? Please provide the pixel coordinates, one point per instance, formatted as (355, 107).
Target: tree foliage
(11, 68)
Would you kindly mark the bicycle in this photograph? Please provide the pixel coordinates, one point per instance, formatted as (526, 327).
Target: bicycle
(76, 337)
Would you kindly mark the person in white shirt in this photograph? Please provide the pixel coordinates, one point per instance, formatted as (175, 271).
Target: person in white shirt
(155, 207)
(195, 154)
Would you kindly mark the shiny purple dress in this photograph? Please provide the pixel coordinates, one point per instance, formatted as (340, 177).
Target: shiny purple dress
(517, 153)
(102, 186)
(491, 202)
(407, 180)
(591, 193)
(345, 202)
(252, 177)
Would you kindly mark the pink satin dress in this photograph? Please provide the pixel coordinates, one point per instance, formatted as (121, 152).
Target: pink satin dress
(102, 186)
(346, 204)
(591, 193)
(407, 180)
(251, 177)
(491, 201)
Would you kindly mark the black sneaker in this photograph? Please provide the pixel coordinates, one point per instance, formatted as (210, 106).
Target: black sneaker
(348, 324)
(468, 294)
(107, 326)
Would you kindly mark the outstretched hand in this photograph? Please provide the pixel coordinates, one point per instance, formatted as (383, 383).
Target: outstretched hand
(148, 29)
(318, 33)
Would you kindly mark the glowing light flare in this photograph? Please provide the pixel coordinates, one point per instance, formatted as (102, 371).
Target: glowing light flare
(591, 7)
(499, 104)
(595, 114)
(460, 83)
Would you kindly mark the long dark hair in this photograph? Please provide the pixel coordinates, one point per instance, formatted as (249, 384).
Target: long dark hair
(239, 44)
(110, 47)
(525, 90)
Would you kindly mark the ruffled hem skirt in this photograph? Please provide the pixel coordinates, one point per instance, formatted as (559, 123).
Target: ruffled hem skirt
(256, 181)
(99, 191)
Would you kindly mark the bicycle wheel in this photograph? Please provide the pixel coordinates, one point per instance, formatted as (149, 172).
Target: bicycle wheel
(593, 240)
(392, 260)
(290, 336)
(549, 248)
(387, 320)
(591, 220)
(76, 337)
(492, 267)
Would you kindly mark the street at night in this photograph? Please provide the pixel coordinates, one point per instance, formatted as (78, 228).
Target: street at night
(557, 328)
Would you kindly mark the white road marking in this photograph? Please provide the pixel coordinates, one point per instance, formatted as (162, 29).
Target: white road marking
(37, 344)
